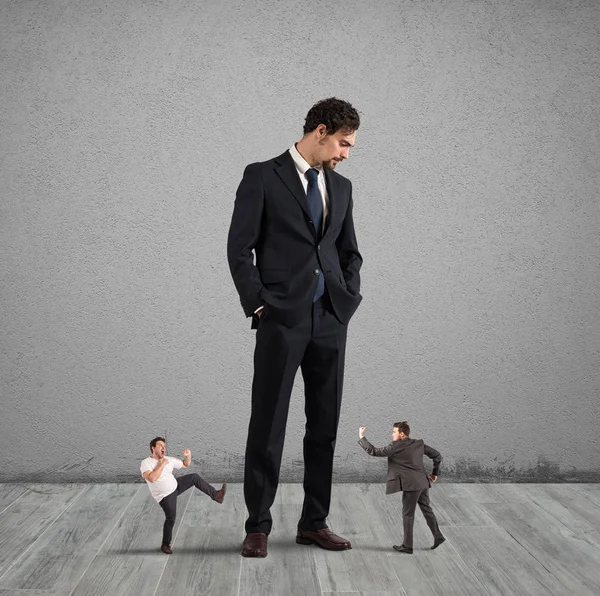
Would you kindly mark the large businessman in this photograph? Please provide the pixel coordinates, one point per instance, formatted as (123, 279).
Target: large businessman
(295, 262)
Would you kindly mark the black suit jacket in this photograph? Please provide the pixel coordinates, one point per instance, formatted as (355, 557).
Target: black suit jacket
(271, 216)
(405, 463)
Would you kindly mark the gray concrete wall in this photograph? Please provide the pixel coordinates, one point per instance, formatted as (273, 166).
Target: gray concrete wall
(125, 128)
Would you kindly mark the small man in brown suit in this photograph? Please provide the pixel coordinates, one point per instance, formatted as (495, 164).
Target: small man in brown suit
(406, 473)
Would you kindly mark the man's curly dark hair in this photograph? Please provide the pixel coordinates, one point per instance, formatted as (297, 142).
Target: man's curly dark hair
(334, 113)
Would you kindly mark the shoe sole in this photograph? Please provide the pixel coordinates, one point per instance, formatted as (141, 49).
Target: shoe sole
(307, 541)
(253, 556)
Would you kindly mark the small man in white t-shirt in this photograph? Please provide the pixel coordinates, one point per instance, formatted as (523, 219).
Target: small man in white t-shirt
(157, 471)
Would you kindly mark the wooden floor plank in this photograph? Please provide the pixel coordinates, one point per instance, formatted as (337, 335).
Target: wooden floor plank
(130, 574)
(502, 564)
(459, 510)
(504, 539)
(590, 492)
(575, 563)
(139, 531)
(484, 493)
(206, 548)
(436, 574)
(52, 572)
(363, 593)
(29, 517)
(15, 592)
(571, 509)
(366, 567)
(9, 493)
(61, 555)
(130, 561)
(11, 592)
(584, 487)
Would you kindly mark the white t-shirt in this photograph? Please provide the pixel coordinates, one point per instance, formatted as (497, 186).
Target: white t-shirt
(166, 482)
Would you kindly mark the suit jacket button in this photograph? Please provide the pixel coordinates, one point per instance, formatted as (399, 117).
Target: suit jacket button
(319, 247)
(316, 272)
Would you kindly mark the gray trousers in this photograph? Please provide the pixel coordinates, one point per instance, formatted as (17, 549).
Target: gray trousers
(410, 499)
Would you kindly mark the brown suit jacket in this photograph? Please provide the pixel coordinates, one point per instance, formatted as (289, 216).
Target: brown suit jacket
(405, 463)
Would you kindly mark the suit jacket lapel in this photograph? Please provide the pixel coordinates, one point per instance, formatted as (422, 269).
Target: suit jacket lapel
(286, 170)
(332, 191)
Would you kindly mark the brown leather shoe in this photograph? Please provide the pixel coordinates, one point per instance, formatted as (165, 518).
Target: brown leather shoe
(255, 545)
(220, 495)
(324, 538)
(166, 549)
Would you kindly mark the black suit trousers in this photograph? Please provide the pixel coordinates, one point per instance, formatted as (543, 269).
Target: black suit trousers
(410, 499)
(317, 345)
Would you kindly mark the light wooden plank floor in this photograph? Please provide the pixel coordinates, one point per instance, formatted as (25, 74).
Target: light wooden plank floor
(502, 539)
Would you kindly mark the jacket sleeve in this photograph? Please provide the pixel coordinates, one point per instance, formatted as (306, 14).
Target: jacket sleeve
(244, 234)
(347, 247)
(376, 451)
(436, 456)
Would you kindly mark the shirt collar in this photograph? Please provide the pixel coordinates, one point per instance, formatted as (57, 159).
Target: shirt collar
(301, 164)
